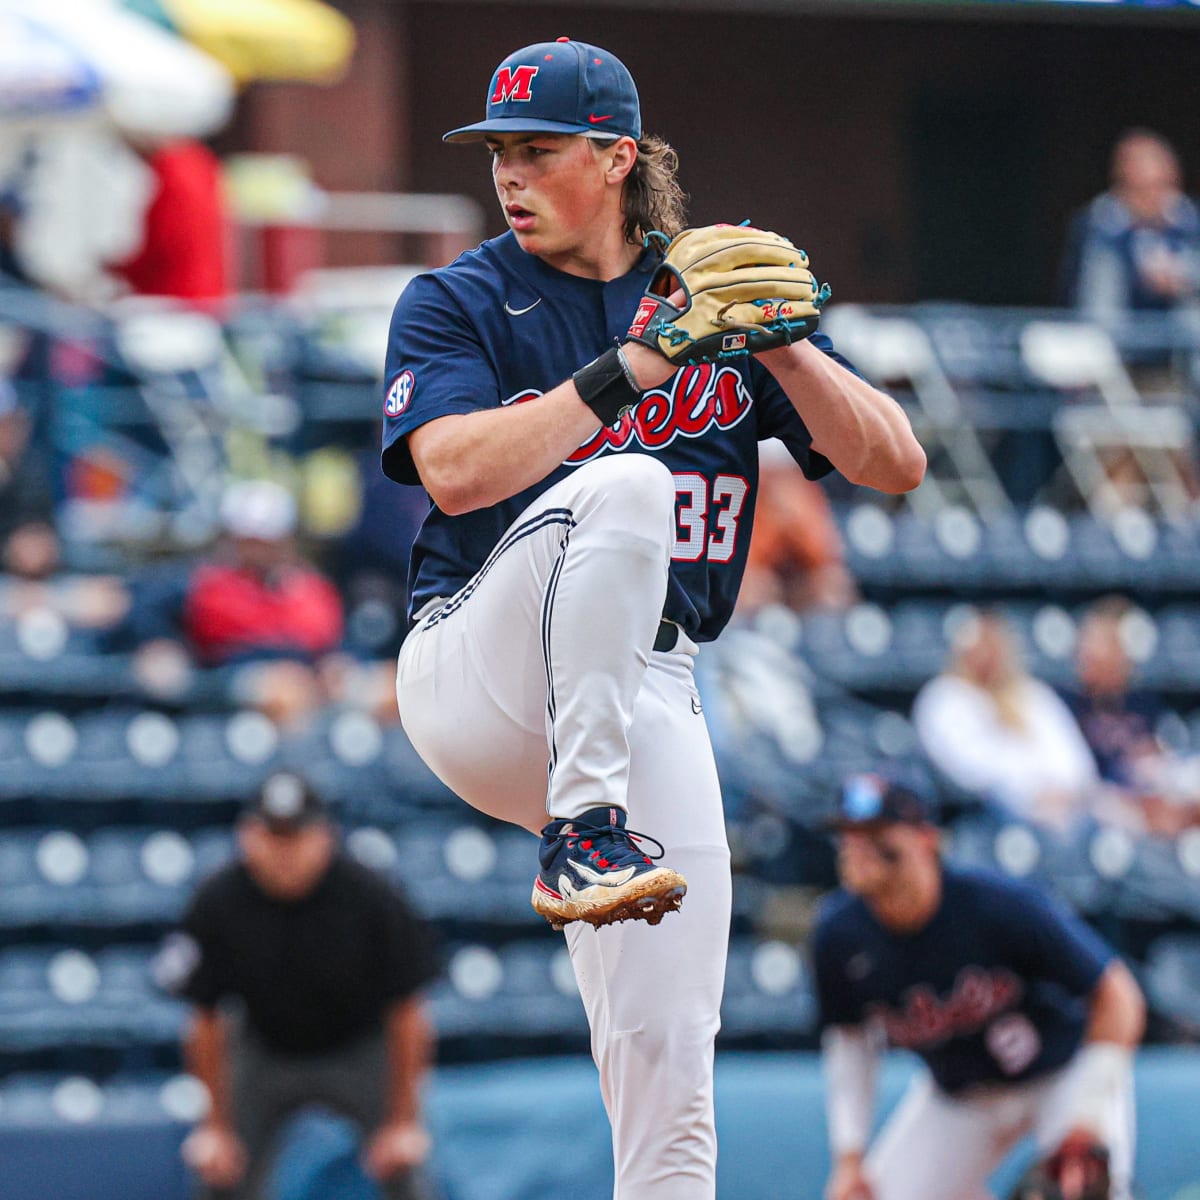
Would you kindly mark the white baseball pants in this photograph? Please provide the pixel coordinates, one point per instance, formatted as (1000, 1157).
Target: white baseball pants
(938, 1147)
(535, 690)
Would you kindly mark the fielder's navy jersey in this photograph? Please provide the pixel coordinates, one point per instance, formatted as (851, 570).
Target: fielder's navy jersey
(993, 990)
(499, 326)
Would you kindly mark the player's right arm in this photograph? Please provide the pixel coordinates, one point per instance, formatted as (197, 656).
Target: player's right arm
(474, 460)
(468, 449)
(850, 1054)
(850, 1058)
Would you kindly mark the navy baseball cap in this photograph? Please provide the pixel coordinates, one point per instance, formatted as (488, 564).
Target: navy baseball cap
(559, 87)
(868, 801)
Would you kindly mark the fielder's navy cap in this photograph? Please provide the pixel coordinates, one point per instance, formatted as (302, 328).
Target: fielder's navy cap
(559, 87)
(870, 800)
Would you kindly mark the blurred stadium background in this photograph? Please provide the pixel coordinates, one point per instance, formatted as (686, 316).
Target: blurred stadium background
(928, 155)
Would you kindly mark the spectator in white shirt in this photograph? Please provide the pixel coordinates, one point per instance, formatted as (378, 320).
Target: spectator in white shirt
(995, 731)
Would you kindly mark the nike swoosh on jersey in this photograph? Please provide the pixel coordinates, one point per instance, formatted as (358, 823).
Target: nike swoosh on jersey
(520, 312)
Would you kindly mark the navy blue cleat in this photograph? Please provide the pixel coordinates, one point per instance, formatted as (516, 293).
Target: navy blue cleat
(594, 870)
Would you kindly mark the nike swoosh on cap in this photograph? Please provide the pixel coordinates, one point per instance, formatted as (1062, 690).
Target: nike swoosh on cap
(517, 312)
(595, 120)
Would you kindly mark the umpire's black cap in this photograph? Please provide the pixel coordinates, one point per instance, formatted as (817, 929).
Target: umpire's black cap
(285, 803)
(869, 800)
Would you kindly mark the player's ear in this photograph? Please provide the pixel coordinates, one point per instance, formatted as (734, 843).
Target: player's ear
(619, 158)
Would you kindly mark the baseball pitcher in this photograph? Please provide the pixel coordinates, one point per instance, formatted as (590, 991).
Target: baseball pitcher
(582, 398)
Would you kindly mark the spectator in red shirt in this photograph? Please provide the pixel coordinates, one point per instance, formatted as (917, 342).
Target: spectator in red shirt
(257, 606)
(261, 601)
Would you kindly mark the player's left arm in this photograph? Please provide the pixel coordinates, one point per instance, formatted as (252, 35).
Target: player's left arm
(1055, 945)
(1102, 1070)
(1116, 1008)
(862, 431)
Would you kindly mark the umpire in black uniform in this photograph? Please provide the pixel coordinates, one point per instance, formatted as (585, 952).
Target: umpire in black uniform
(305, 969)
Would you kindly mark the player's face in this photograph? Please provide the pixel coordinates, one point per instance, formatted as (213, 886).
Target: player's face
(1101, 661)
(872, 862)
(556, 192)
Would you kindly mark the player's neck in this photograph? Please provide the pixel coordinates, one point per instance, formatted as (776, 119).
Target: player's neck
(910, 908)
(606, 256)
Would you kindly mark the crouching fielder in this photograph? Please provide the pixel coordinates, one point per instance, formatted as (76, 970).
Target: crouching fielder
(1024, 1020)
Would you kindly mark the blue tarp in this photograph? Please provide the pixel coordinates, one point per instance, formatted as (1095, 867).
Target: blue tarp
(525, 1130)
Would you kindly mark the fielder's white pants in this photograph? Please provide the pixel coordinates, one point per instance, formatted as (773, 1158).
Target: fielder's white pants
(938, 1147)
(535, 690)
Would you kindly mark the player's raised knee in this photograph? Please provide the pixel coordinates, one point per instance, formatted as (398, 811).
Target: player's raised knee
(638, 483)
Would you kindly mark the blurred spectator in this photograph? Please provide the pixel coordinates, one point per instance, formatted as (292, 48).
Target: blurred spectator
(184, 247)
(326, 961)
(82, 196)
(998, 733)
(10, 267)
(1119, 723)
(25, 489)
(33, 580)
(261, 600)
(256, 603)
(30, 550)
(1136, 248)
(795, 556)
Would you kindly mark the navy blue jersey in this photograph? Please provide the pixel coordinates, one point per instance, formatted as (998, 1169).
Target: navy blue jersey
(1118, 729)
(994, 989)
(499, 326)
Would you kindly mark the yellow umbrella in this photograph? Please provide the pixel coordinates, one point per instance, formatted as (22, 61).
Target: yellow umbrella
(261, 39)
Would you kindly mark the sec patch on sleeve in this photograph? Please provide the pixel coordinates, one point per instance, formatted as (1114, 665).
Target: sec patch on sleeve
(400, 394)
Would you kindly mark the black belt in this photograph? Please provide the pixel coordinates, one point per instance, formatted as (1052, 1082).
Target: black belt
(667, 636)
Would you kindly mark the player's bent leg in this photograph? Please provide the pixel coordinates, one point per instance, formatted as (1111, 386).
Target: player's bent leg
(482, 750)
(555, 633)
(598, 618)
(935, 1148)
(598, 636)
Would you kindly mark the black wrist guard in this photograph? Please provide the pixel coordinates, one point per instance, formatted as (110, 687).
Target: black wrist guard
(606, 385)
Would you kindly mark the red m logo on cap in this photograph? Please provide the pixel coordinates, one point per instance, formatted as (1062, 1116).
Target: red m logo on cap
(513, 83)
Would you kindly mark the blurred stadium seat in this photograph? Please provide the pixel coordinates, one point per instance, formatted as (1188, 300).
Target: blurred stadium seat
(116, 801)
(1171, 977)
(769, 999)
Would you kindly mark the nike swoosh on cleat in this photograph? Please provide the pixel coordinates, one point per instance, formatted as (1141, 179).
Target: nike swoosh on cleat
(519, 312)
(595, 120)
(612, 879)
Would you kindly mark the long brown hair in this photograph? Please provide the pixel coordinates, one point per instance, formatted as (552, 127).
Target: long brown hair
(1005, 679)
(653, 198)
